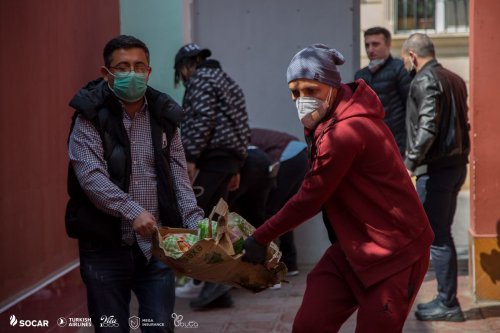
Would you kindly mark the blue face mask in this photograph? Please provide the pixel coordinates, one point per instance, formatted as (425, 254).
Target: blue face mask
(129, 87)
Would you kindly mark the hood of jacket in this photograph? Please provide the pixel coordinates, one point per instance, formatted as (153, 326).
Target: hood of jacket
(351, 101)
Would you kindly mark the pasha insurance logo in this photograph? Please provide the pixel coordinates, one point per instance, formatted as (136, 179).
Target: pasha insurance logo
(28, 323)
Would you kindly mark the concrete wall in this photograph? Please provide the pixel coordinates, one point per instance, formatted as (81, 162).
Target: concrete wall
(159, 24)
(50, 49)
(255, 41)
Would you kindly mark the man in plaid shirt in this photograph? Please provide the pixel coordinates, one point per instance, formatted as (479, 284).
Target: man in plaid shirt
(127, 176)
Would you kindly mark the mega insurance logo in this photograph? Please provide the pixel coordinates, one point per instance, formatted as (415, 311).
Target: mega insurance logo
(27, 323)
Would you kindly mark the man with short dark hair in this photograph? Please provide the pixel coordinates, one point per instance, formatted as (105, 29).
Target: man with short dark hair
(437, 154)
(387, 76)
(127, 176)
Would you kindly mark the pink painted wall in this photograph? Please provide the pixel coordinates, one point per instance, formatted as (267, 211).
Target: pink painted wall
(485, 116)
(50, 48)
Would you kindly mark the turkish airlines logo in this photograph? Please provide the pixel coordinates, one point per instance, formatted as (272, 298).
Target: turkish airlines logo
(13, 320)
(62, 322)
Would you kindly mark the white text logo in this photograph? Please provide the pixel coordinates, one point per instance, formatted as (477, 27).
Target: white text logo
(134, 322)
(74, 322)
(108, 321)
(61, 322)
(179, 323)
(28, 323)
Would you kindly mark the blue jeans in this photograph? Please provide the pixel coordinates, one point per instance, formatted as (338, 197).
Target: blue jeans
(438, 191)
(110, 276)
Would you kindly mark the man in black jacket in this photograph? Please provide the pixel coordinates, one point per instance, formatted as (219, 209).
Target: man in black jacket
(388, 78)
(437, 154)
(127, 176)
(215, 135)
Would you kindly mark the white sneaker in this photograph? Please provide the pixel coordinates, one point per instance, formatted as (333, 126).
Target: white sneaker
(293, 273)
(277, 286)
(189, 290)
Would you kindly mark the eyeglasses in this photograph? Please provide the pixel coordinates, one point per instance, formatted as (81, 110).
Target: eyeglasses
(127, 68)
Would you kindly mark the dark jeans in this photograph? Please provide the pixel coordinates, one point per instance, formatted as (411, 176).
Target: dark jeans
(438, 191)
(290, 176)
(111, 274)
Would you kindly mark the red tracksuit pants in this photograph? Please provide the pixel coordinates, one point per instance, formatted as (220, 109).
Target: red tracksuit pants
(334, 292)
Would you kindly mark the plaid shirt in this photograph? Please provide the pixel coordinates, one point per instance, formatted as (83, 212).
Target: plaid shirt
(87, 157)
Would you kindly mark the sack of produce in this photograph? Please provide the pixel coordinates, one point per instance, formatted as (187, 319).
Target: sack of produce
(216, 254)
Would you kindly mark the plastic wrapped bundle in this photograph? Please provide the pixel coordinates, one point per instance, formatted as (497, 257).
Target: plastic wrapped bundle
(176, 245)
(203, 229)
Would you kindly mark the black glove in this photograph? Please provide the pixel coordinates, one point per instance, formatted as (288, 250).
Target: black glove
(254, 251)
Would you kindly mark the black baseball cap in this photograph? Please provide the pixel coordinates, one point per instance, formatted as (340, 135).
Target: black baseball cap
(191, 50)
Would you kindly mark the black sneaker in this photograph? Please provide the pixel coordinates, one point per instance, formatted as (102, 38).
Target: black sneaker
(440, 312)
(428, 305)
(209, 293)
(224, 301)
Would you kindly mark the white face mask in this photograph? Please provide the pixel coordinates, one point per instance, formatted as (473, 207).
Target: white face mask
(311, 109)
(375, 64)
(412, 65)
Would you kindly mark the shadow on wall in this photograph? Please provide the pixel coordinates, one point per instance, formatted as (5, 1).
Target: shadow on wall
(490, 262)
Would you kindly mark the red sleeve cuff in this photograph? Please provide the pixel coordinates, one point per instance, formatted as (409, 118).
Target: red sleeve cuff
(261, 235)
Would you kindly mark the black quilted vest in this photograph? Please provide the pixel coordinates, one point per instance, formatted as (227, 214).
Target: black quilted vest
(97, 103)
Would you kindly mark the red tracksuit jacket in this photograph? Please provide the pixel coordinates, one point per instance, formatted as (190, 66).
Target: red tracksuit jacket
(358, 177)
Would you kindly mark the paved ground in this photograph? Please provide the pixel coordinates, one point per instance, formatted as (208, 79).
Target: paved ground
(274, 310)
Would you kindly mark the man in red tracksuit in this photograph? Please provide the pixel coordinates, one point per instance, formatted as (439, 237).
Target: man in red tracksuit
(357, 178)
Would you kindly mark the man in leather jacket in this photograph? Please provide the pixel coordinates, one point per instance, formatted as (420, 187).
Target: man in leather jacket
(437, 154)
(389, 79)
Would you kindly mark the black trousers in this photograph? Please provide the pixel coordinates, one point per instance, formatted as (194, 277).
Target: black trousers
(250, 199)
(209, 187)
(438, 191)
(290, 176)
